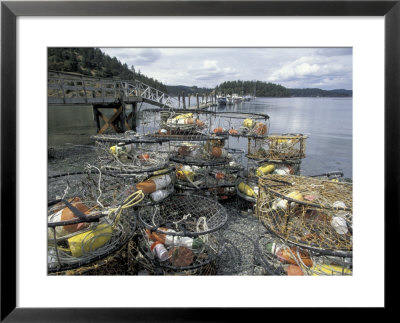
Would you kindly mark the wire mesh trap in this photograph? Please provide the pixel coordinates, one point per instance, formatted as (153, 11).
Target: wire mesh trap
(286, 259)
(311, 213)
(278, 147)
(117, 264)
(178, 231)
(90, 217)
(240, 124)
(256, 168)
(129, 154)
(182, 125)
(212, 178)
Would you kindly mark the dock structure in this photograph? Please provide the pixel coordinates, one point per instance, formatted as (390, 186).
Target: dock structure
(108, 93)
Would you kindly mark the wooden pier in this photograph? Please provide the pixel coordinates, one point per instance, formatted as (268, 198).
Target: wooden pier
(118, 95)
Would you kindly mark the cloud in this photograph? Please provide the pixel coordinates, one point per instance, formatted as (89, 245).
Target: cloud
(312, 69)
(343, 51)
(211, 71)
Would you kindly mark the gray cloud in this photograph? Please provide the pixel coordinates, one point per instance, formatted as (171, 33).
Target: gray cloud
(326, 68)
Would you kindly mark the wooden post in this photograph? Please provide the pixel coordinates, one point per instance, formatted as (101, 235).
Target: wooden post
(189, 99)
(134, 116)
(197, 98)
(122, 117)
(96, 117)
(183, 100)
(179, 99)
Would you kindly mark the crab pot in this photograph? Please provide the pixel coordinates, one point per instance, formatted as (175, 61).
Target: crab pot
(282, 258)
(213, 178)
(278, 147)
(130, 154)
(240, 124)
(90, 217)
(181, 233)
(256, 168)
(311, 213)
(118, 264)
(148, 266)
(182, 125)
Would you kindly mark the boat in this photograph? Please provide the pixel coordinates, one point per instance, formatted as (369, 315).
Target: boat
(236, 98)
(222, 101)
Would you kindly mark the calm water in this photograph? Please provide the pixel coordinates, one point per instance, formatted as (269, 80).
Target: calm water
(326, 121)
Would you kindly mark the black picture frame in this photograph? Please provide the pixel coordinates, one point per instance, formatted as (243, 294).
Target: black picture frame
(10, 10)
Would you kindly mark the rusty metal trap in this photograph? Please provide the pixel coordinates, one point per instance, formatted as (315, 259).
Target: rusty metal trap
(240, 124)
(278, 147)
(179, 233)
(285, 259)
(90, 216)
(129, 154)
(311, 213)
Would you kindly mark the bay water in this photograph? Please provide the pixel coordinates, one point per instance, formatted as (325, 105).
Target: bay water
(326, 121)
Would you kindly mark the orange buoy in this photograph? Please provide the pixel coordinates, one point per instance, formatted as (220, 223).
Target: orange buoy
(67, 214)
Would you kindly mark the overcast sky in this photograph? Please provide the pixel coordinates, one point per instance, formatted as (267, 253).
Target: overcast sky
(324, 68)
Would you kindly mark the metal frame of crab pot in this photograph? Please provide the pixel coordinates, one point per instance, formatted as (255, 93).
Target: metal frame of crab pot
(111, 162)
(171, 214)
(281, 219)
(86, 186)
(209, 173)
(278, 147)
(171, 128)
(231, 120)
(254, 163)
(307, 262)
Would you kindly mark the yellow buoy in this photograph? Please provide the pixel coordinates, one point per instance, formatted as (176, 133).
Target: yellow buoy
(249, 123)
(332, 270)
(183, 174)
(246, 189)
(184, 116)
(296, 195)
(90, 240)
(265, 169)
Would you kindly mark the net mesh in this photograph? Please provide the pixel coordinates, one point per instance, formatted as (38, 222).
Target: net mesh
(90, 217)
(240, 124)
(278, 147)
(308, 212)
(285, 259)
(129, 154)
(179, 233)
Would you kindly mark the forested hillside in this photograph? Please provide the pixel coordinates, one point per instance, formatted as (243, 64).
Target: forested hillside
(178, 89)
(93, 62)
(320, 93)
(257, 88)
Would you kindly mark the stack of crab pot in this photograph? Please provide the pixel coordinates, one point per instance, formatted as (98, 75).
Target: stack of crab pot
(142, 160)
(207, 167)
(274, 154)
(309, 224)
(90, 223)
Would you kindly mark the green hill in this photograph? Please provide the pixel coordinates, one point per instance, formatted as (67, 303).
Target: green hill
(257, 88)
(176, 90)
(312, 92)
(93, 62)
